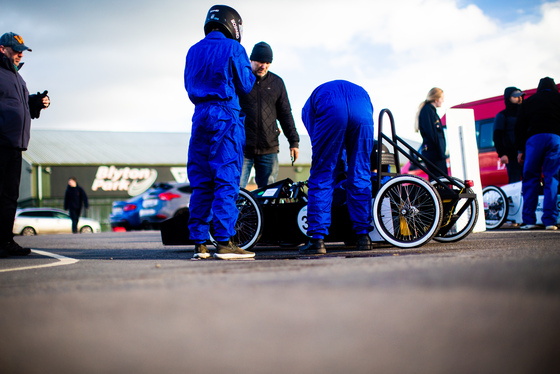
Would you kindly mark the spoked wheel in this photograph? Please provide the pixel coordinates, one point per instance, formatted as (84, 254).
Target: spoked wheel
(496, 206)
(466, 222)
(407, 211)
(249, 225)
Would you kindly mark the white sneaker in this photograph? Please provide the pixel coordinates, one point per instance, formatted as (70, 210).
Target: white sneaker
(552, 227)
(530, 227)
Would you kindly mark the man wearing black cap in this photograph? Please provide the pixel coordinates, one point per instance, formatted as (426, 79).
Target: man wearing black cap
(17, 108)
(266, 103)
(504, 133)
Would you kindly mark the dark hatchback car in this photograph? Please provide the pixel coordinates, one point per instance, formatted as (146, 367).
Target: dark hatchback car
(126, 213)
(163, 201)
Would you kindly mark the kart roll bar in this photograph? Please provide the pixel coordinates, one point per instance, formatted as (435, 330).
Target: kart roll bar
(395, 141)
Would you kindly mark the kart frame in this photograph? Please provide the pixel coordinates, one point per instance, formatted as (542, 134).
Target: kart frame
(408, 211)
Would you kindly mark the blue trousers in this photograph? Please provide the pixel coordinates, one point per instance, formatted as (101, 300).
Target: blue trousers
(338, 116)
(266, 169)
(542, 156)
(214, 166)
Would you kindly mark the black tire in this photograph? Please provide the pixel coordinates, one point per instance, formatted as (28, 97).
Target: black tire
(28, 231)
(249, 225)
(465, 224)
(496, 207)
(86, 230)
(407, 211)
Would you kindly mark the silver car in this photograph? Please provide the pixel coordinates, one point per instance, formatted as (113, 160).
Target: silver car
(35, 221)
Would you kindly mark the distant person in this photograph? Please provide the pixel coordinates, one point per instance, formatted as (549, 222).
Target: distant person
(504, 133)
(17, 108)
(74, 199)
(537, 135)
(217, 69)
(264, 105)
(433, 137)
(339, 116)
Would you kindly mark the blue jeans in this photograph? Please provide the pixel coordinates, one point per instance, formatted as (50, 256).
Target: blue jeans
(266, 169)
(542, 156)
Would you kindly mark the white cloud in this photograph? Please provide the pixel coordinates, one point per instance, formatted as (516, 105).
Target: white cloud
(119, 65)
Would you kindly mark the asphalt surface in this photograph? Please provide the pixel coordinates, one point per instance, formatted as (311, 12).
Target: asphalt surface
(124, 303)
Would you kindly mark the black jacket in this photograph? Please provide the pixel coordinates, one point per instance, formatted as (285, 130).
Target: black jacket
(504, 126)
(15, 119)
(539, 114)
(431, 129)
(266, 103)
(74, 198)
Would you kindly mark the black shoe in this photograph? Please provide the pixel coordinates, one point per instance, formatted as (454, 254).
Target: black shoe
(13, 249)
(3, 251)
(314, 247)
(363, 243)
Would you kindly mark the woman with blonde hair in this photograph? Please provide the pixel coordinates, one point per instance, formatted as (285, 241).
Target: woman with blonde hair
(430, 127)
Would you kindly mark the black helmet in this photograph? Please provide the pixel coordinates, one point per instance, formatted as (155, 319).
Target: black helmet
(226, 19)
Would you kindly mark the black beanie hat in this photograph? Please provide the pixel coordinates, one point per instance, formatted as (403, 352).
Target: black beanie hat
(261, 53)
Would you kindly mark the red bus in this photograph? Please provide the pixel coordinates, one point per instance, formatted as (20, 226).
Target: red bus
(492, 171)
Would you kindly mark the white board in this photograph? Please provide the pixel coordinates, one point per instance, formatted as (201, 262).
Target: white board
(463, 154)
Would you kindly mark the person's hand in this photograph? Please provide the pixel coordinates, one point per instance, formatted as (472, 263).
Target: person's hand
(46, 102)
(504, 160)
(294, 153)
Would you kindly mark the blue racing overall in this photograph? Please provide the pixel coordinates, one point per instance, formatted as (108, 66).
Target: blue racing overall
(339, 115)
(216, 70)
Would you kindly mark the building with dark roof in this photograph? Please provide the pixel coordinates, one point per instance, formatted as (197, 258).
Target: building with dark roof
(116, 165)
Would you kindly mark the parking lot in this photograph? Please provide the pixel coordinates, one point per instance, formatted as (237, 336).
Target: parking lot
(122, 302)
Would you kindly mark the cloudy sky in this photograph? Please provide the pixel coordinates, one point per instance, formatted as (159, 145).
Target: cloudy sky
(118, 65)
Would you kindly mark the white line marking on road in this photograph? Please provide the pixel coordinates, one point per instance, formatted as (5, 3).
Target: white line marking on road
(62, 260)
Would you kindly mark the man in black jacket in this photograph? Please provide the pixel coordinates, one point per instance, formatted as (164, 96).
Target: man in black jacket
(504, 133)
(266, 103)
(74, 198)
(17, 108)
(537, 135)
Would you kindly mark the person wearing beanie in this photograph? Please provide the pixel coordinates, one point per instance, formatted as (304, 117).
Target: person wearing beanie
(504, 133)
(17, 108)
(537, 135)
(266, 104)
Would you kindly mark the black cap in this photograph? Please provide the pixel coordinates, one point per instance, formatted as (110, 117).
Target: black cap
(261, 53)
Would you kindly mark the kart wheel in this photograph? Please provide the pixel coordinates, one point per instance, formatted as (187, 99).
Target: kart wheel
(407, 211)
(249, 225)
(466, 222)
(496, 207)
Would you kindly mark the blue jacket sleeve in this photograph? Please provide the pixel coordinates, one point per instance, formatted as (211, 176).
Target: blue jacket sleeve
(243, 74)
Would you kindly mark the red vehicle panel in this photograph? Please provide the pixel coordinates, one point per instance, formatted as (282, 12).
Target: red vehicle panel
(492, 171)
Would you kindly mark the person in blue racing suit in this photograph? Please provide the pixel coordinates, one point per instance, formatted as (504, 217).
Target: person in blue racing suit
(339, 116)
(217, 69)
